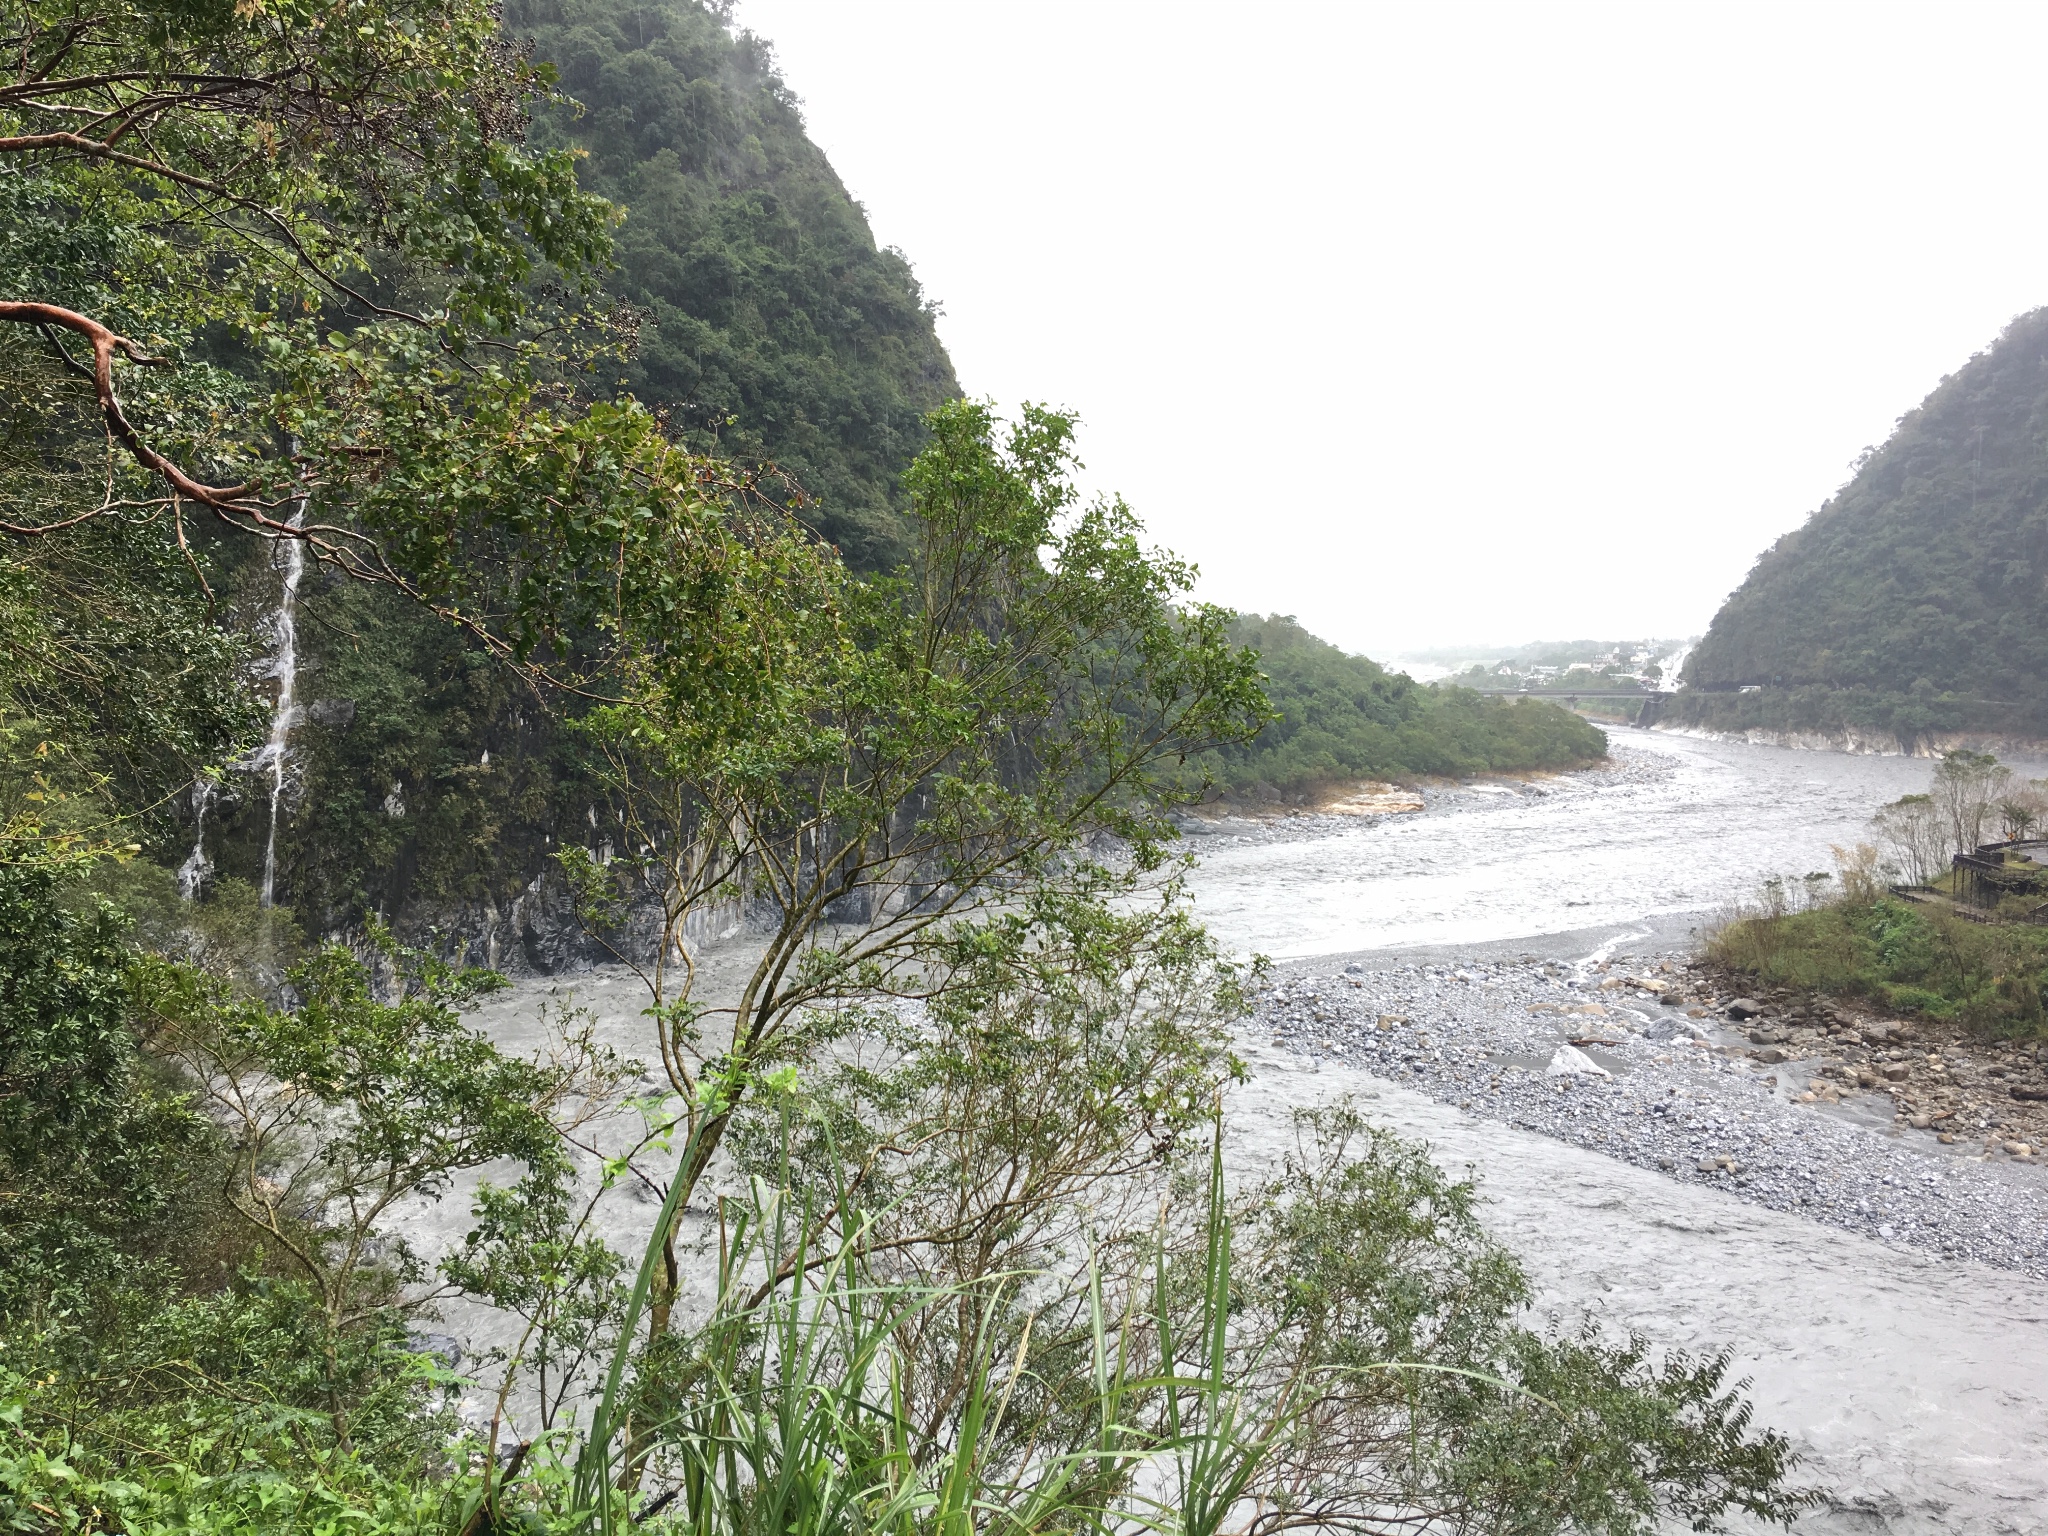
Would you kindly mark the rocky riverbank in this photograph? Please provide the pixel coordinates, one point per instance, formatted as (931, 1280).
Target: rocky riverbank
(1822, 1118)
(1941, 1080)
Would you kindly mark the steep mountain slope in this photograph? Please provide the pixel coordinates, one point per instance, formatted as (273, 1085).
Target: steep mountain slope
(425, 785)
(1916, 600)
(771, 326)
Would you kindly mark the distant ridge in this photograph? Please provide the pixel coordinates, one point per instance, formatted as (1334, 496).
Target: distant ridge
(1913, 606)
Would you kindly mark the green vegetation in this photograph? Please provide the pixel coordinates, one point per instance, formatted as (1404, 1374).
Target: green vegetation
(1343, 717)
(1909, 604)
(758, 317)
(763, 324)
(768, 326)
(203, 1323)
(1911, 958)
(1945, 956)
(945, 1145)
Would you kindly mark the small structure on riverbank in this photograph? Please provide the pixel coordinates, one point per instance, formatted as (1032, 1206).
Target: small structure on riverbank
(1998, 872)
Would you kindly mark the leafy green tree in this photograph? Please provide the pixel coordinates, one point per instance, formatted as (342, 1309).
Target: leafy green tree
(343, 1108)
(252, 249)
(257, 167)
(890, 757)
(319, 289)
(96, 1147)
(202, 1290)
(757, 321)
(1377, 1296)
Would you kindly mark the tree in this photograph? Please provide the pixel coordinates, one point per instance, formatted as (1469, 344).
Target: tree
(2021, 808)
(874, 766)
(94, 1149)
(303, 278)
(344, 1107)
(256, 167)
(1917, 835)
(1967, 787)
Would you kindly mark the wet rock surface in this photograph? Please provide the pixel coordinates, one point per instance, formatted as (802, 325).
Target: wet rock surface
(1807, 1108)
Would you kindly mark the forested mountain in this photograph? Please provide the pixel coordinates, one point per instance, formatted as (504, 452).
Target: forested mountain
(1345, 717)
(769, 325)
(764, 325)
(1916, 599)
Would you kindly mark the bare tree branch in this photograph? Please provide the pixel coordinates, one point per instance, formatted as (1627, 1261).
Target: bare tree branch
(105, 343)
(78, 143)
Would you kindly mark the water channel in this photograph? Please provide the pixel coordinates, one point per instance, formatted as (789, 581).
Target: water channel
(1680, 829)
(1911, 1384)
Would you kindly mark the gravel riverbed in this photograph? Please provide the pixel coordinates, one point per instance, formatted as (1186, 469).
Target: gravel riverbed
(1682, 1096)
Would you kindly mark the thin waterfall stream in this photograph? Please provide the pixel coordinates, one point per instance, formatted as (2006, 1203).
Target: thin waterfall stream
(285, 668)
(192, 873)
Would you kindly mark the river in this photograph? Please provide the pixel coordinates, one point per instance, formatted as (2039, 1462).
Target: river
(1910, 1383)
(1680, 829)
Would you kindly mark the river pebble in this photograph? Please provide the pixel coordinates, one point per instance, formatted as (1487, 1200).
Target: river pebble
(1505, 1041)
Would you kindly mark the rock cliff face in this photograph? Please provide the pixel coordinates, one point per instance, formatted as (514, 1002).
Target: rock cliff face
(1910, 607)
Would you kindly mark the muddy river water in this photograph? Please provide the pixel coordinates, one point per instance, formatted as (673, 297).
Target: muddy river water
(1916, 1386)
(1680, 829)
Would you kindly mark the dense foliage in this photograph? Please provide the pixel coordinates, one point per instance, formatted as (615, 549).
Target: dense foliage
(1343, 717)
(203, 1321)
(429, 785)
(768, 324)
(1911, 602)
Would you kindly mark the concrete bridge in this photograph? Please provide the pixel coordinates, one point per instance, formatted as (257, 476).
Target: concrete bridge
(1650, 699)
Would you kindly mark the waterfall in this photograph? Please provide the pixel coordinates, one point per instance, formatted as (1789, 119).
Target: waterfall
(284, 667)
(192, 873)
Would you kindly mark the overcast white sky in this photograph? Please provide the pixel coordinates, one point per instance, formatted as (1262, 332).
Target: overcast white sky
(1450, 323)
